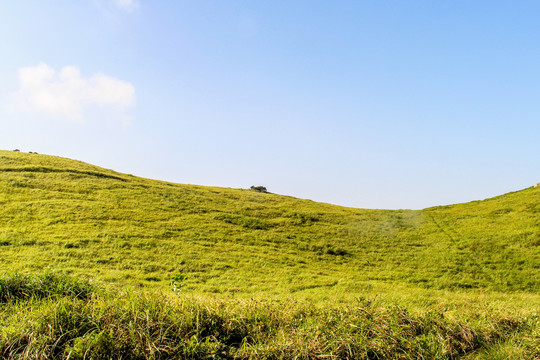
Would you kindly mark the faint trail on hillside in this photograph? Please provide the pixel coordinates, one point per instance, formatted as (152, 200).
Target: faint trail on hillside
(454, 236)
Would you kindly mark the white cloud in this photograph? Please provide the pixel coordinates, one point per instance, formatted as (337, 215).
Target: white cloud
(70, 95)
(127, 5)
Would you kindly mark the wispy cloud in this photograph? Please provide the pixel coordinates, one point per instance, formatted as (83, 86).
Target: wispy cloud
(69, 95)
(127, 5)
(111, 7)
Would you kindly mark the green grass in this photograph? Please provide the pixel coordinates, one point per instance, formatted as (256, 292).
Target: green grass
(138, 326)
(132, 233)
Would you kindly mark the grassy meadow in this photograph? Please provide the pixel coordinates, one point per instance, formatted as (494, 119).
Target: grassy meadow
(99, 262)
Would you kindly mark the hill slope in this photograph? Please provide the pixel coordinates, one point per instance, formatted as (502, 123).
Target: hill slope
(67, 215)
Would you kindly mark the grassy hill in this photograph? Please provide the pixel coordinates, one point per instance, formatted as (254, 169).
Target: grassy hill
(93, 223)
(64, 214)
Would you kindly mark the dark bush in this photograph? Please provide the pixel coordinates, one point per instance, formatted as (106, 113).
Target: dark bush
(327, 249)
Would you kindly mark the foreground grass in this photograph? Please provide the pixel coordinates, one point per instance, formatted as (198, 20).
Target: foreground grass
(52, 316)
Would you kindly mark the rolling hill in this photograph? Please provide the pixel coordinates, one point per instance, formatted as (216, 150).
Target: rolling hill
(68, 217)
(64, 214)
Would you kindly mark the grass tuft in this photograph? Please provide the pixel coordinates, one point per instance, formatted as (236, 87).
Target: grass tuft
(15, 287)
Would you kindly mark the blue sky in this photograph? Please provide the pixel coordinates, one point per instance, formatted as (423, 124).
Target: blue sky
(370, 104)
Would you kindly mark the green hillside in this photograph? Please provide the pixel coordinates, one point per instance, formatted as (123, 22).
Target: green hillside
(469, 272)
(64, 214)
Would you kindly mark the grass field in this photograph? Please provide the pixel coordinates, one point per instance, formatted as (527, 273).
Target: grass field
(468, 272)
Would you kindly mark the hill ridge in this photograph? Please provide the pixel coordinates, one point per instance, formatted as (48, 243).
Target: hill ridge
(99, 171)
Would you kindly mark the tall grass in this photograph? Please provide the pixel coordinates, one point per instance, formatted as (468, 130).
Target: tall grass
(14, 287)
(134, 325)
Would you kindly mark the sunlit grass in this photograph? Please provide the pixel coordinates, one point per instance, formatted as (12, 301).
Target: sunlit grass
(236, 244)
(137, 325)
